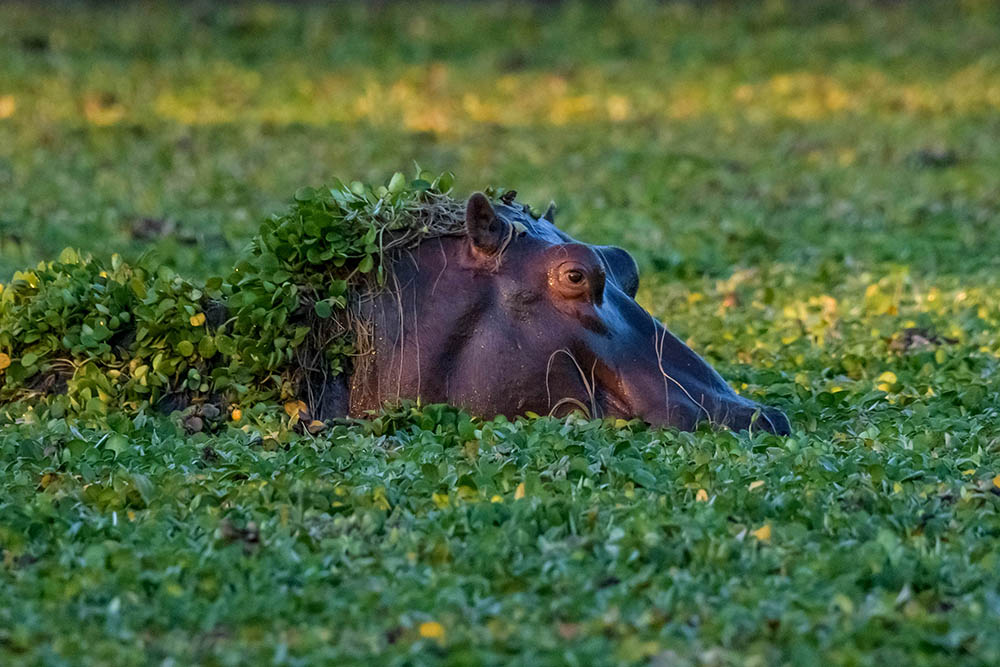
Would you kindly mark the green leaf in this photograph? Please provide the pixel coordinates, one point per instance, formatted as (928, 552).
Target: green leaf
(206, 347)
(445, 182)
(323, 309)
(225, 344)
(397, 183)
(116, 443)
(305, 194)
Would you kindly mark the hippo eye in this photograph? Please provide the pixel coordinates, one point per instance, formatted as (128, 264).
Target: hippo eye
(574, 280)
(571, 280)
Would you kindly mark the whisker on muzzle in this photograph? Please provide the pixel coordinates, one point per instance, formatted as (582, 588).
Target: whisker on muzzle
(589, 386)
(659, 339)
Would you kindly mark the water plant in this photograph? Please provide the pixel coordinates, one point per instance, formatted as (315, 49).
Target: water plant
(84, 335)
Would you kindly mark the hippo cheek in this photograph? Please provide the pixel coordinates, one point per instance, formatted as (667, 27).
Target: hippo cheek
(642, 392)
(678, 412)
(644, 372)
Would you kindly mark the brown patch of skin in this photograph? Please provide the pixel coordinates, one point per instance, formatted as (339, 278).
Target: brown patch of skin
(506, 322)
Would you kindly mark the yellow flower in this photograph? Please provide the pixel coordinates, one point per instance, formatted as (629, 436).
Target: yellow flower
(296, 408)
(432, 630)
(763, 533)
(197, 320)
(4, 361)
(237, 414)
(7, 106)
(886, 380)
(701, 496)
(441, 500)
(519, 491)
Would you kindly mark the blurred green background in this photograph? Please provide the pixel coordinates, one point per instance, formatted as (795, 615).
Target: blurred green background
(702, 136)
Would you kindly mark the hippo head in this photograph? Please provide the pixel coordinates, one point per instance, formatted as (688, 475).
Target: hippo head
(516, 316)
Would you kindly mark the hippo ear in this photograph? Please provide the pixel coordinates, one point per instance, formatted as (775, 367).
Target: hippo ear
(622, 267)
(486, 230)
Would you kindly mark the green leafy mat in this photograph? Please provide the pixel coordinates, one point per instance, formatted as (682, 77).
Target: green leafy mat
(810, 190)
(89, 337)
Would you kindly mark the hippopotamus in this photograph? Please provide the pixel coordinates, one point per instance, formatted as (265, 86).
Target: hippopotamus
(515, 316)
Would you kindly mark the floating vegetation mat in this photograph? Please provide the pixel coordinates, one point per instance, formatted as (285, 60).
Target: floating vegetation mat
(84, 336)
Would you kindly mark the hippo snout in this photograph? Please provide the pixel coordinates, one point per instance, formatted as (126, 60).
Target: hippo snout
(759, 417)
(732, 412)
(742, 414)
(716, 404)
(778, 421)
